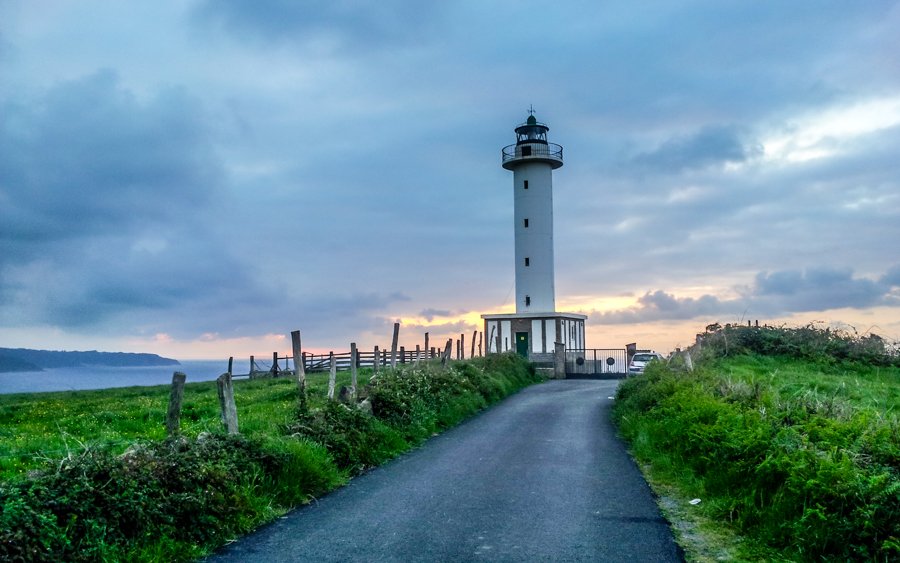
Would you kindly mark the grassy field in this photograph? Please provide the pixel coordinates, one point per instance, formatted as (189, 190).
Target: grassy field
(90, 475)
(792, 449)
(37, 429)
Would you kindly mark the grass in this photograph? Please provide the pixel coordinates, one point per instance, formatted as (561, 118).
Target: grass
(794, 453)
(89, 475)
(41, 428)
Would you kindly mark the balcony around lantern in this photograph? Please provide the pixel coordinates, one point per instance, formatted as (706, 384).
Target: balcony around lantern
(551, 153)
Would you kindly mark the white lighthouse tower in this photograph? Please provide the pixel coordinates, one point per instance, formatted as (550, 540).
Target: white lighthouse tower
(532, 160)
(536, 327)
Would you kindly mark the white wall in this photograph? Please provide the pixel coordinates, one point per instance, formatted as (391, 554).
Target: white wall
(536, 241)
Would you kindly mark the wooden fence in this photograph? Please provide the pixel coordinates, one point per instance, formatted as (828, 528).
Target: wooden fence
(376, 358)
(284, 366)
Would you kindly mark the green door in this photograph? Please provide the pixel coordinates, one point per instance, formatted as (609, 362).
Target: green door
(522, 344)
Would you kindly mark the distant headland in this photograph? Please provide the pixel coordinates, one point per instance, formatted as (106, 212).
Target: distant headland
(24, 359)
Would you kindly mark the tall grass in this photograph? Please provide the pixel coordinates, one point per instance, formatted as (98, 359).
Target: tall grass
(89, 475)
(799, 451)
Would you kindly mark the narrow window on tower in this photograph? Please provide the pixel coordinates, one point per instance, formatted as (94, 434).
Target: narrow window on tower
(526, 184)
(527, 262)
(527, 300)
(526, 223)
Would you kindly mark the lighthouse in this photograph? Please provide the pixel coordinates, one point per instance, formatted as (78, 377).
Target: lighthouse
(532, 161)
(536, 328)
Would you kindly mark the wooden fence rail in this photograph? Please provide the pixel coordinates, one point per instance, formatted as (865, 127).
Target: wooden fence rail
(376, 359)
(322, 362)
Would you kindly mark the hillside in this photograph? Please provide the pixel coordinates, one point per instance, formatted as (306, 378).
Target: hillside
(91, 476)
(10, 364)
(786, 440)
(24, 359)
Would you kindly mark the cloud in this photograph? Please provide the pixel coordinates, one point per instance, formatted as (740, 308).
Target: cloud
(330, 23)
(815, 289)
(325, 165)
(105, 198)
(772, 294)
(710, 146)
(87, 158)
(892, 277)
(659, 305)
(429, 314)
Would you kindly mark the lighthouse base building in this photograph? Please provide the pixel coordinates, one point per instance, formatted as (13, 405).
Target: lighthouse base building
(534, 335)
(536, 330)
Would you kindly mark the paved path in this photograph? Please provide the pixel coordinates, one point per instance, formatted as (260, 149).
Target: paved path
(540, 477)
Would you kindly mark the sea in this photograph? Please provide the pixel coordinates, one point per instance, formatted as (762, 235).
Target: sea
(102, 377)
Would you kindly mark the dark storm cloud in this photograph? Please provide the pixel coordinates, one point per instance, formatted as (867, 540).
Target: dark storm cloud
(712, 145)
(659, 305)
(103, 204)
(350, 24)
(87, 158)
(430, 314)
(892, 277)
(816, 290)
(773, 294)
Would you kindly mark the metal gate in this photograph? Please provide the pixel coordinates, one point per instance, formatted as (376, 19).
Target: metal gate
(596, 363)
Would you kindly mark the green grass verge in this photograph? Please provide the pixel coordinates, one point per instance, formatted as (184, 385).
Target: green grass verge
(797, 453)
(90, 476)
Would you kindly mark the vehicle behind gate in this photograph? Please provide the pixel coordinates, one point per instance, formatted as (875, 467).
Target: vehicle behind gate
(640, 360)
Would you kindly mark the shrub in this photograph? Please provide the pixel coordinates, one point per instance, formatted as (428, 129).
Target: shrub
(193, 493)
(355, 440)
(810, 342)
(810, 472)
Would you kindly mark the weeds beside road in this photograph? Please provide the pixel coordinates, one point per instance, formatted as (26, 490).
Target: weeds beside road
(789, 437)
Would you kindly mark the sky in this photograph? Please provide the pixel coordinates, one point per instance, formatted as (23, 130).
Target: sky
(199, 178)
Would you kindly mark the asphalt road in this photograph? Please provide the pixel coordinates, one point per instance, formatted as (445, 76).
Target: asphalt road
(539, 477)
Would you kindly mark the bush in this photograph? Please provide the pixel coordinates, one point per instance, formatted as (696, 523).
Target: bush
(810, 342)
(193, 493)
(812, 473)
(355, 440)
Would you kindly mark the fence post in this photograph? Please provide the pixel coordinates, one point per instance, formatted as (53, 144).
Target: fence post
(480, 338)
(403, 354)
(688, 363)
(230, 363)
(275, 368)
(226, 403)
(559, 360)
(426, 343)
(332, 375)
(394, 345)
(462, 346)
(446, 355)
(299, 367)
(474, 337)
(176, 396)
(376, 359)
(418, 352)
(252, 365)
(354, 360)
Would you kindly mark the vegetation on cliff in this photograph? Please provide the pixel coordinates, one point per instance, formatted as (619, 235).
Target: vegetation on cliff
(789, 436)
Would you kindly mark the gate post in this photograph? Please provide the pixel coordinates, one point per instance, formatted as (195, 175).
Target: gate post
(559, 360)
